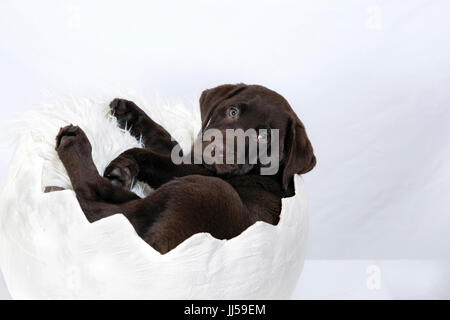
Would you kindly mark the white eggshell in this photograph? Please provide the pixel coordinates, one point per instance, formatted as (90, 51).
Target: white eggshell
(48, 250)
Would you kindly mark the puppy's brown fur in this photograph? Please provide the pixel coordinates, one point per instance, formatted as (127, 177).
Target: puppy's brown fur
(190, 198)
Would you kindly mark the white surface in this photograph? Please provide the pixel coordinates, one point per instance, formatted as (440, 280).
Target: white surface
(374, 279)
(370, 80)
(4, 294)
(48, 249)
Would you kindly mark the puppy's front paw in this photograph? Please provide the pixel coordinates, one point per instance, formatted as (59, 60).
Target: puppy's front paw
(126, 112)
(122, 173)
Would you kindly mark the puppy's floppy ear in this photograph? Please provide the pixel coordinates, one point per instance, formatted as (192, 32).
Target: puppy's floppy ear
(299, 154)
(211, 98)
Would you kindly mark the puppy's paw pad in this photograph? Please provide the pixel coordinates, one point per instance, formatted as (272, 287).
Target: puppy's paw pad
(120, 177)
(66, 134)
(70, 136)
(119, 106)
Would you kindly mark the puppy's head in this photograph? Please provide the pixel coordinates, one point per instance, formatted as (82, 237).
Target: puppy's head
(255, 107)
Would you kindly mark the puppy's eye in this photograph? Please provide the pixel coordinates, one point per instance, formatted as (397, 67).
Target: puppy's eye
(233, 112)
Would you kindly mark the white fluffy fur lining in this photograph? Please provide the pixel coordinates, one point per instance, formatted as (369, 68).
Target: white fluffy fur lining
(48, 250)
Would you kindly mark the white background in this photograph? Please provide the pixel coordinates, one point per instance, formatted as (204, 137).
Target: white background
(370, 80)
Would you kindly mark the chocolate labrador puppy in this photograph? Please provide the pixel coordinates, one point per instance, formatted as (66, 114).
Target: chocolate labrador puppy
(222, 199)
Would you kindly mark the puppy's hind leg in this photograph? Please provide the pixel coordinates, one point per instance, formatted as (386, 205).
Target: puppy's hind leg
(97, 196)
(75, 152)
